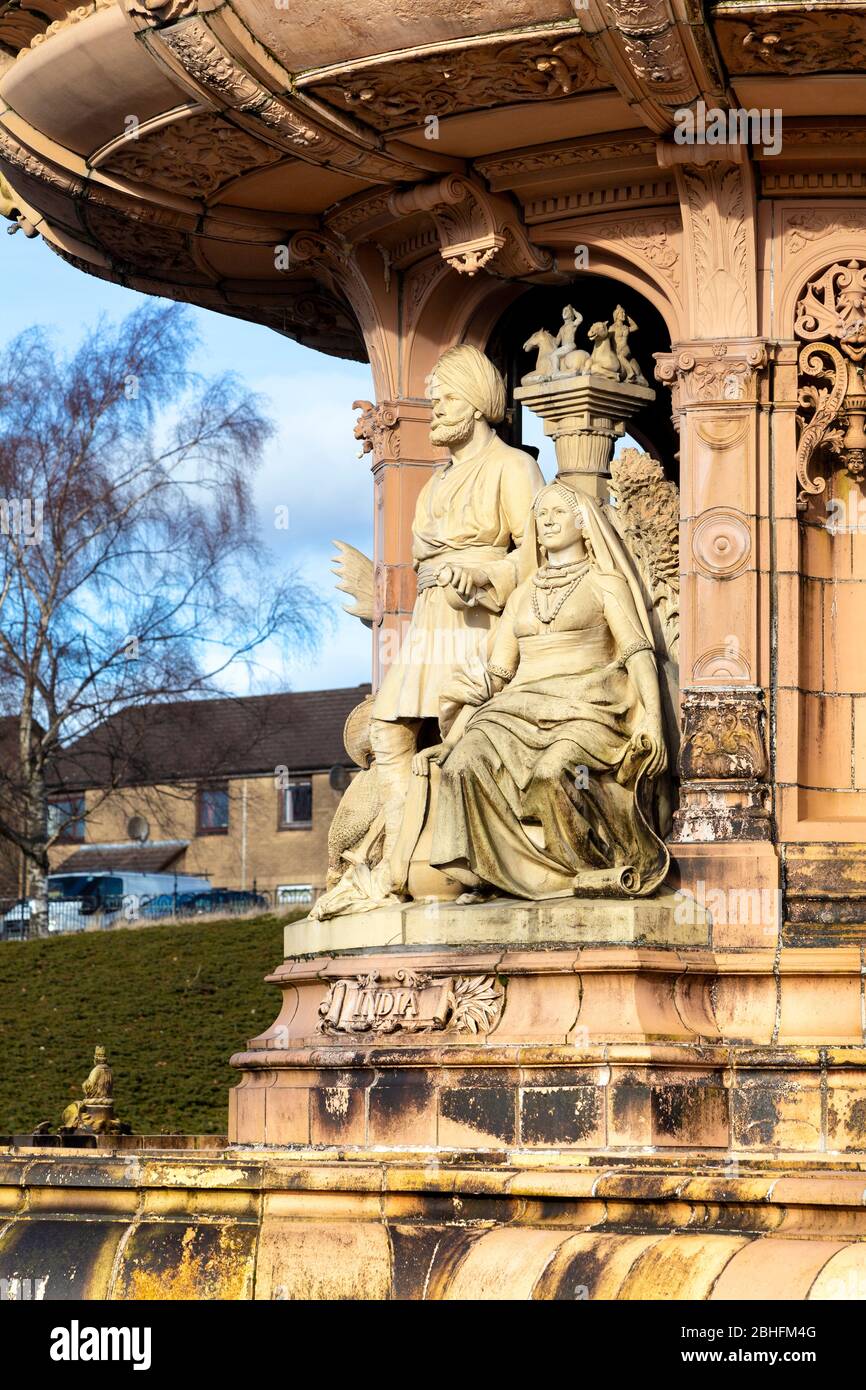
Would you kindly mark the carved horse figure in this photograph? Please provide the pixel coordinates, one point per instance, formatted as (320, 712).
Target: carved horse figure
(604, 360)
(572, 364)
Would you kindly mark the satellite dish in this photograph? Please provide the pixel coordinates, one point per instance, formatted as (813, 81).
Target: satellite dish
(137, 828)
(339, 777)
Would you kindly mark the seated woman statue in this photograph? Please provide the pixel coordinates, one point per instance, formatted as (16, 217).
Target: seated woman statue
(547, 771)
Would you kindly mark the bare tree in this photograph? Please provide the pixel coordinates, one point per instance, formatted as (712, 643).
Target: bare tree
(131, 571)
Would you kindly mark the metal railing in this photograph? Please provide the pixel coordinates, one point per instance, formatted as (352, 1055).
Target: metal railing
(95, 915)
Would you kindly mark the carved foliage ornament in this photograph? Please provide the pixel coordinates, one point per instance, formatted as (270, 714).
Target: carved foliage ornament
(377, 428)
(722, 736)
(161, 11)
(718, 218)
(411, 1002)
(397, 94)
(831, 316)
(648, 515)
(194, 156)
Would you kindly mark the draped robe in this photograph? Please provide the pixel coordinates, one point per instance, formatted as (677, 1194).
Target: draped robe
(470, 514)
(543, 794)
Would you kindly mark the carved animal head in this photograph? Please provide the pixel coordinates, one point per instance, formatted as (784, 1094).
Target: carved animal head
(598, 330)
(542, 339)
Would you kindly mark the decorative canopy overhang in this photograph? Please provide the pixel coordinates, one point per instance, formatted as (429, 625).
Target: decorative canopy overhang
(283, 163)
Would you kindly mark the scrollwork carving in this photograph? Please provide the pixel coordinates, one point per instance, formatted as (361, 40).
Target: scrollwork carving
(161, 11)
(779, 42)
(832, 308)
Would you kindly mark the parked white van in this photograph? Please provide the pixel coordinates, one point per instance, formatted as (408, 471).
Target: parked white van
(77, 901)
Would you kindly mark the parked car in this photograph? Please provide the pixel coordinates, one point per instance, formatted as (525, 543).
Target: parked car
(228, 901)
(79, 900)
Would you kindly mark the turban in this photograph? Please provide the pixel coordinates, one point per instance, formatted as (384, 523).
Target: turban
(470, 375)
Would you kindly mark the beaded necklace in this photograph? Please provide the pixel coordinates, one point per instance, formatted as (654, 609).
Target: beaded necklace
(547, 580)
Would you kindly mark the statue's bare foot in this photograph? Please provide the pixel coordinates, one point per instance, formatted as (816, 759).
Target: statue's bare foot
(475, 896)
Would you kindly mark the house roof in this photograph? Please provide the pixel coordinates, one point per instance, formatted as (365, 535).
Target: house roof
(193, 740)
(134, 857)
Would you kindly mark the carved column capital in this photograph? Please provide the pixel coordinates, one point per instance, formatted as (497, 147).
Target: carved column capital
(378, 429)
(712, 373)
(723, 764)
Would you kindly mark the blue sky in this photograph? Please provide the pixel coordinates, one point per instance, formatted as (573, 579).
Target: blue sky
(311, 466)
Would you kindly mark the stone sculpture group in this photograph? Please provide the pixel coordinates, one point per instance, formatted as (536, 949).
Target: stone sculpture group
(520, 743)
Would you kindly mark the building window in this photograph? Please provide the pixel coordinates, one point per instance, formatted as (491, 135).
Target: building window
(66, 820)
(296, 805)
(213, 809)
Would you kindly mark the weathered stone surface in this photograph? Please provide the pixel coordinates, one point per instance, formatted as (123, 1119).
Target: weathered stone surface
(325, 1225)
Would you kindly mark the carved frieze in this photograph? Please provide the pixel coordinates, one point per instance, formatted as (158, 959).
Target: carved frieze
(500, 167)
(194, 156)
(411, 1002)
(394, 94)
(832, 39)
(292, 123)
(831, 316)
(804, 228)
(142, 246)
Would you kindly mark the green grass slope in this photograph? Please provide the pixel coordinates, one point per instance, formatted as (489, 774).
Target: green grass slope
(170, 1004)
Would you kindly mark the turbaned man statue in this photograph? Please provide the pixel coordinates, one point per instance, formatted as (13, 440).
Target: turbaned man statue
(469, 519)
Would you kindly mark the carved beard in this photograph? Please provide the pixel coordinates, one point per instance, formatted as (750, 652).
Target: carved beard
(449, 435)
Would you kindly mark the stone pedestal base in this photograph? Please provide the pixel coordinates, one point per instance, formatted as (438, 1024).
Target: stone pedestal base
(591, 1046)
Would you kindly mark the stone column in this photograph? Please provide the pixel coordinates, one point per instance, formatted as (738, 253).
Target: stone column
(722, 835)
(723, 830)
(396, 434)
